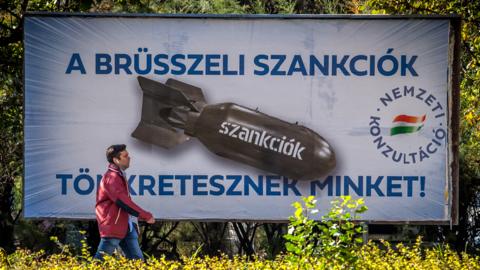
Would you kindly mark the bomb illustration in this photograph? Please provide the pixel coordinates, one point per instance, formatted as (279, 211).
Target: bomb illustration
(175, 111)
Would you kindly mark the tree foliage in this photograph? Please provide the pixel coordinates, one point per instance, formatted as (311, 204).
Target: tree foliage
(11, 110)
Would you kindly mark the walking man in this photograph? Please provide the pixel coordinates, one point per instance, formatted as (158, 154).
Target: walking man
(117, 214)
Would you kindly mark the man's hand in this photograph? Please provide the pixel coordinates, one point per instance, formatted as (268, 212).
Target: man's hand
(151, 220)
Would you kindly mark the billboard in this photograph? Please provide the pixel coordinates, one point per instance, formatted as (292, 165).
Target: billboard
(381, 91)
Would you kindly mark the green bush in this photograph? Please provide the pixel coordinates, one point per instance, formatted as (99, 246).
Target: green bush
(370, 256)
(336, 237)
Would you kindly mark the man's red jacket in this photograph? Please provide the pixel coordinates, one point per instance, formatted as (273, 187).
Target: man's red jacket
(114, 205)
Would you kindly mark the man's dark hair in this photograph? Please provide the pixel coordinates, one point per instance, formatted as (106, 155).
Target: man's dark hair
(114, 151)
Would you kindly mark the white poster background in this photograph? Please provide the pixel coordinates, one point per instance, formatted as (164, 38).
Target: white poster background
(70, 119)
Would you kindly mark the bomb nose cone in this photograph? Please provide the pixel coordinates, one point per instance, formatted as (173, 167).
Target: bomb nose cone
(325, 157)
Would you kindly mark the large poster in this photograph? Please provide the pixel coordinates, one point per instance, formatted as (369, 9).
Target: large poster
(375, 90)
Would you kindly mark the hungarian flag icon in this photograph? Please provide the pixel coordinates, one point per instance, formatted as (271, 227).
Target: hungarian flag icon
(407, 124)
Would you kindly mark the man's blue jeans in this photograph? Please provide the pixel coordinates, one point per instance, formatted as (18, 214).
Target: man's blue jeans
(129, 245)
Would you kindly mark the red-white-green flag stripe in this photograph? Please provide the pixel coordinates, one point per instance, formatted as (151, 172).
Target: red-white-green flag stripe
(407, 124)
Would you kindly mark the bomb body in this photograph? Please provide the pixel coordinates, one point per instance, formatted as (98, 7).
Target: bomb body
(259, 140)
